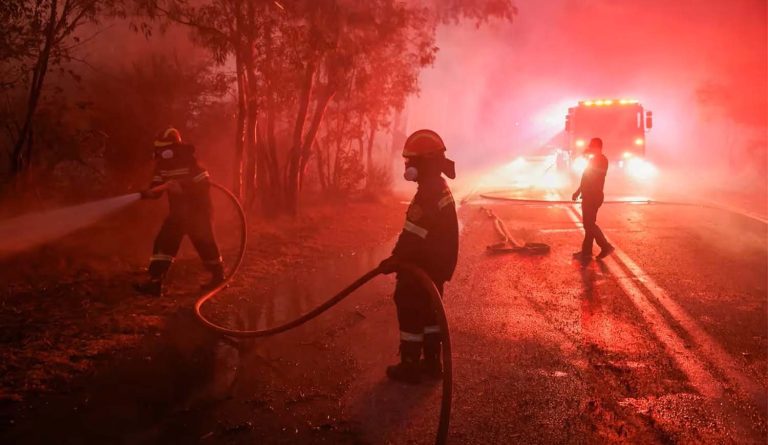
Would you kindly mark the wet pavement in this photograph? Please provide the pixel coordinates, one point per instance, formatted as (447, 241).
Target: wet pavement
(664, 342)
(607, 352)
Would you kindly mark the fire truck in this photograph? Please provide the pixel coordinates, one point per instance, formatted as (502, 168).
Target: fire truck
(622, 124)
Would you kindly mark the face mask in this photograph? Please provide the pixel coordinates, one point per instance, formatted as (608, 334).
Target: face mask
(411, 173)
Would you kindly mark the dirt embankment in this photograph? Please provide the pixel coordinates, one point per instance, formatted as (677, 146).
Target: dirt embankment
(71, 323)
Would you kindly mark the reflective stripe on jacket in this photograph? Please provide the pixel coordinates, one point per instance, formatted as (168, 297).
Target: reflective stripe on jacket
(430, 236)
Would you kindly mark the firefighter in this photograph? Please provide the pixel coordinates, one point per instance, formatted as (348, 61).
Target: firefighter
(429, 240)
(591, 192)
(190, 211)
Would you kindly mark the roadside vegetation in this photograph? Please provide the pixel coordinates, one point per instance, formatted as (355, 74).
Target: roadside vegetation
(282, 98)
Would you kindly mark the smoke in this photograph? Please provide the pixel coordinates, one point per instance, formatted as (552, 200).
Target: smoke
(700, 66)
(31, 230)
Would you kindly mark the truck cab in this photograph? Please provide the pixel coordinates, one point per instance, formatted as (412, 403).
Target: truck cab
(622, 124)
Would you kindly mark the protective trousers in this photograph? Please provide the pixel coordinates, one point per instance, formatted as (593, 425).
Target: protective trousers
(191, 216)
(589, 208)
(415, 315)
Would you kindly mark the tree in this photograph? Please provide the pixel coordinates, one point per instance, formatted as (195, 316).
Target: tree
(38, 34)
(156, 89)
(293, 58)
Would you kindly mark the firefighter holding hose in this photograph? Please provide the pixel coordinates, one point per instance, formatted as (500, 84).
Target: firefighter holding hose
(429, 240)
(190, 211)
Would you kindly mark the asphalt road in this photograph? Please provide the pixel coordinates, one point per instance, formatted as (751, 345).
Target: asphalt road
(664, 342)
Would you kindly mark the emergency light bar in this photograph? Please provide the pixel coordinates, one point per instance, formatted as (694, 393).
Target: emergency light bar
(607, 102)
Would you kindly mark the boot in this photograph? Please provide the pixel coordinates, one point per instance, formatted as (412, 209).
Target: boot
(431, 366)
(605, 251)
(407, 371)
(152, 287)
(217, 277)
(582, 256)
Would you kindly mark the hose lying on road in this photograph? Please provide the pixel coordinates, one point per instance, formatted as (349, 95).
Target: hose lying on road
(415, 272)
(742, 213)
(508, 244)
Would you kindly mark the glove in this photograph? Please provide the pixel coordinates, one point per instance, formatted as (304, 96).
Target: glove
(575, 196)
(389, 265)
(150, 194)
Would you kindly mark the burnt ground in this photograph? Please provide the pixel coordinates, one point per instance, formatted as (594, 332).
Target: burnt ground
(665, 342)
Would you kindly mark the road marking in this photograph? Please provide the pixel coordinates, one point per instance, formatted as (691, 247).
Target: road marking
(688, 363)
(719, 358)
(733, 209)
(709, 348)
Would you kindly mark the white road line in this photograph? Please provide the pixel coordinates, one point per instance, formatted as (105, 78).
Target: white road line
(737, 210)
(718, 357)
(688, 363)
(709, 347)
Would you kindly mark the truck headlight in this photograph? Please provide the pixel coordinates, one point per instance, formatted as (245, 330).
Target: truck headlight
(579, 164)
(639, 168)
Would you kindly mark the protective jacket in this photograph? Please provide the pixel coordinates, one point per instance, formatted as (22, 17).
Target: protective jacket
(178, 162)
(593, 178)
(430, 236)
(191, 210)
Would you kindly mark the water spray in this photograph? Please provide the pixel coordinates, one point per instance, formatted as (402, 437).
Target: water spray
(27, 231)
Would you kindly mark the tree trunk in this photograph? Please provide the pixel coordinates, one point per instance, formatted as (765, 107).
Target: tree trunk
(250, 132)
(252, 156)
(262, 172)
(369, 166)
(294, 156)
(22, 149)
(314, 127)
(237, 160)
(361, 139)
(272, 196)
(399, 128)
(320, 161)
(337, 153)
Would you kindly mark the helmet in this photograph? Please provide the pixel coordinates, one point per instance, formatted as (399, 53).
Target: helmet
(596, 143)
(423, 143)
(167, 137)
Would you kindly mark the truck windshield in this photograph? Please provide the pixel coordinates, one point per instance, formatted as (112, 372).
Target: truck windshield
(618, 127)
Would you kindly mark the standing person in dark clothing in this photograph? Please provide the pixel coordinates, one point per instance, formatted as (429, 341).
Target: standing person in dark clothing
(190, 211)
(429, 240)
(591, 192)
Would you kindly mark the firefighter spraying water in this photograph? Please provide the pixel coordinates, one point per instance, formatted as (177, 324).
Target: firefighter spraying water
(187, 183)
(424, 257)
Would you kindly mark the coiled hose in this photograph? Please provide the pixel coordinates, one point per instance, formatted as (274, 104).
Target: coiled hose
(415, 272)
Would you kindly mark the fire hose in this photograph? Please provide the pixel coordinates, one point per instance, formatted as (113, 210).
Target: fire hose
(415, 272)
(648, 201)
(508, 244)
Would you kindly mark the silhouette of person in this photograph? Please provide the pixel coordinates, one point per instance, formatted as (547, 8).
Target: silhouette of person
(591, 192)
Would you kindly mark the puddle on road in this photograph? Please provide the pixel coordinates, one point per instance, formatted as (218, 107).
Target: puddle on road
(297, 294)
(293, 296)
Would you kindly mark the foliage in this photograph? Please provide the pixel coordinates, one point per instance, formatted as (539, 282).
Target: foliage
(174, 91)
(38, 35)
(312, 78)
